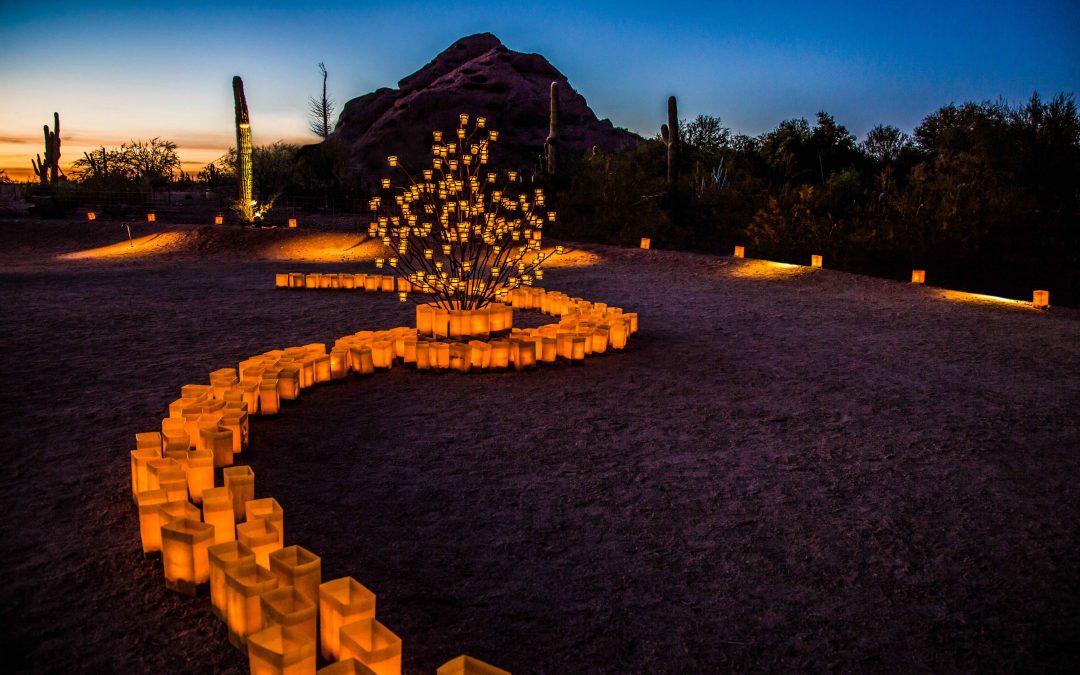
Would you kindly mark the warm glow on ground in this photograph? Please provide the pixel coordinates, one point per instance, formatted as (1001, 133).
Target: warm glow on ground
(342, 247)
(979, 298)
(571, 258)
(327, 247)
(150, 244)
(767, 269)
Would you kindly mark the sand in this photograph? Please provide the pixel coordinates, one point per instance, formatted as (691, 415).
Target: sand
(787, 470)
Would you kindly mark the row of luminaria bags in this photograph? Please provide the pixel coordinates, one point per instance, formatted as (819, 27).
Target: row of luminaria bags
(272, 596)
(342, 280)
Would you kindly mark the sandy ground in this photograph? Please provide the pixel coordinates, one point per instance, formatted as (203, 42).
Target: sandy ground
(788, 470)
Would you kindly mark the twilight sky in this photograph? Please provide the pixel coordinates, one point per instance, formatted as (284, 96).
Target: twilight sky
(122, 70)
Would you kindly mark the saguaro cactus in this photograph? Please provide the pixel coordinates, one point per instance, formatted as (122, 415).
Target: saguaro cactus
(669, 133)
(48, 169)
(245, 203)
(553, 131)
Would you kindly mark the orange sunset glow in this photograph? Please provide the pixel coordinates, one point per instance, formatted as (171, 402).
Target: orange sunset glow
(195, 150)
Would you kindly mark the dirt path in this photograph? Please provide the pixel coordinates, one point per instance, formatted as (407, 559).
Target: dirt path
(788, 470)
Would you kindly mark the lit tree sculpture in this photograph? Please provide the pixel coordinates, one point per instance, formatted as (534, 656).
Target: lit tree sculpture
(458, 234)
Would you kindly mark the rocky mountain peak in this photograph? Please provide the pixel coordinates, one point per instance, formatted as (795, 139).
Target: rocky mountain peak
(480, 76)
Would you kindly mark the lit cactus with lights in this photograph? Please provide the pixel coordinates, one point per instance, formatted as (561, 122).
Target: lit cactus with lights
(456, 232)
(669, 134)
(551, 146)
(245, 204)
(48, 170)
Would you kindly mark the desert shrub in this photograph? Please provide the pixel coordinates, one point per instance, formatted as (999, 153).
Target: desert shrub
(616, 198)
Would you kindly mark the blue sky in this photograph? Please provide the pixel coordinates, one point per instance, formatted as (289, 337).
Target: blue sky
(119, 70)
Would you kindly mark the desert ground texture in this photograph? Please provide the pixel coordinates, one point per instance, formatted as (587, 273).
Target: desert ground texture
(788, 469)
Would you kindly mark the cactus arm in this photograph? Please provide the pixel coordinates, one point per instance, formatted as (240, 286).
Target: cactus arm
(92, 163)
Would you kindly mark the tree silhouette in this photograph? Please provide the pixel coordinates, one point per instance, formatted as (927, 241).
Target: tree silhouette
(885, 142)
(706, 133)
(152, 162)
(321, 110)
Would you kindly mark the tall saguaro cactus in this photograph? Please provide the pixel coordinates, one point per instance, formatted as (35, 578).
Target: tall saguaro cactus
(553, 131)
(246, 203)
(48, 169)
(669, 133)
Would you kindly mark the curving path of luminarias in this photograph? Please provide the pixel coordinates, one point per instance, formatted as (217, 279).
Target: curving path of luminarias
(272, 597)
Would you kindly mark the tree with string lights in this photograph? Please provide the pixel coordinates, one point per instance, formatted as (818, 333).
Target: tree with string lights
(459, 232)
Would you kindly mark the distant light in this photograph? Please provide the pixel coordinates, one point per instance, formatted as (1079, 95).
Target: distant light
(815, 261)
(1041, 299)
(740, 252)
(918, 276)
